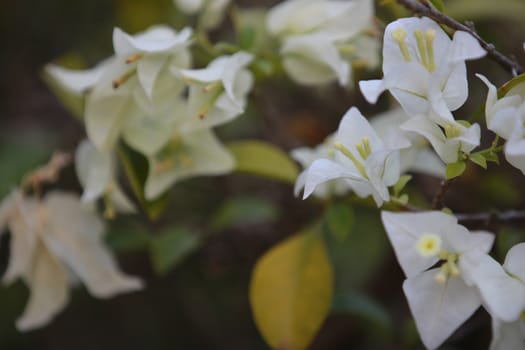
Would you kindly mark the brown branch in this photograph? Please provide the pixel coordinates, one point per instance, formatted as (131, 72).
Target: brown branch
(437, 202)
(423, 8)
(493, 216)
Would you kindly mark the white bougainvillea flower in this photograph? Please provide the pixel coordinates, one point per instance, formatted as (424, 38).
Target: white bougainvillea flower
(423, 68)
(306, 156)
(440, 298)
(146, 53)
(450, 139)
(219, 91)
(504, 296)
(52, 240)
(502, 290)
(415, 154)
(211, 12)
(96, 173)
(340, 20)
(314, 33)
(192, 153)
(506, 117)
(312, 59)
(361, 159)
(137, 76)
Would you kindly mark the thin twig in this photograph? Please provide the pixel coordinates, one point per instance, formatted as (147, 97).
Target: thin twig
(423, 8)
(493, 216)
(437, 202)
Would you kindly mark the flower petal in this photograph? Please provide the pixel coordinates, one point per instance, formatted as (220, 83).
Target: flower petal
(49, 291)
(372, 89)
(312, 59)
(23, 227)
(465, 47)
(405, 229)
(204, 155)
(94, 170)
(507, 336)
(323, 170)
(515, 261)
(75, 236)
(439, 309)
(515, 153)
(503, 296)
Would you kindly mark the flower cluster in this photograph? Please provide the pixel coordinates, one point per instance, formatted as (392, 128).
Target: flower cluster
(442, 298)
(318, 36)
(157, 97)
(54, 243)
(147, 95)
(425, 71)
(506, 117)
(449, 272)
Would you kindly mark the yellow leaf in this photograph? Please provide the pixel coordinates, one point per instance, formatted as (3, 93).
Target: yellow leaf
(291, 291)
(263, 159)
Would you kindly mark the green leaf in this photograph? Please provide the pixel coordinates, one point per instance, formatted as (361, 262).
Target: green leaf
(263, 67)
(291, 291)
(492, 157)
(136, 169)
(169, 248)
(125, 237)
(455, 169)
(403, 199)
(401, 183)
(509, 85)
(339, 219)
(18, 156)
(478, 159)
(263, 159)
(361, 305)
(438, 4)
(464, 123)
(247, 38)
(447, 211)
(243, 210)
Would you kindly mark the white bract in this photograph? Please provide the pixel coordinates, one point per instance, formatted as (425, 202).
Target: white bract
(96, 173)
(335, 18)
(131, 79)
(314, 33)
(503, 291)
(52, 241)
(507, 335)
(189, 153)
(361, 159)
(218, 92)
(506, 117)
(450, 139)
(423, 68)
(140, 78)
(306, 156)
(72, 86)
(444, 297)
(211, 12)
(415, 155)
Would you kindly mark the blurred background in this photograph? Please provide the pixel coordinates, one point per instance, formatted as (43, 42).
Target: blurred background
(200, 301)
